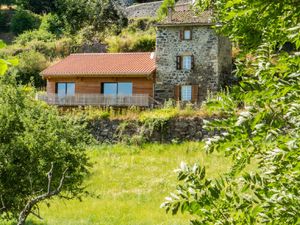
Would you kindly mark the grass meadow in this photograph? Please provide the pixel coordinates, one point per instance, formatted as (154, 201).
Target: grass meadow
(129, 183)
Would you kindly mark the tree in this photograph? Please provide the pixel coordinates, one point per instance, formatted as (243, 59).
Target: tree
(7, 2)
(24, 20)
(5, 63)
(38, 6)
(261, 124)
(35, 141)
(31, 63)
(163, 9)
(100, 14)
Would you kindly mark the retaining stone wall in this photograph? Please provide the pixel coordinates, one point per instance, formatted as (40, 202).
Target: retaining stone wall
(176, 129)
(143, 10)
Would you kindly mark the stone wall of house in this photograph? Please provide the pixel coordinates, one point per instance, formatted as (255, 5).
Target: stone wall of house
(203, 46)
(176, 129)
(225, 59)
(143, 10)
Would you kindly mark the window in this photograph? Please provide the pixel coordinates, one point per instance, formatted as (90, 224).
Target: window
(187, 35)
(187, 62)
(110, 88)
(121, 88)
(186, 93)
(63, 89)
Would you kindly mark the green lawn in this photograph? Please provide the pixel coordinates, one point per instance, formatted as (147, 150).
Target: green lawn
(130, 183)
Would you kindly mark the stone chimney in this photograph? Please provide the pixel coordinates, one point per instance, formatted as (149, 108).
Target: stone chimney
(170, 12)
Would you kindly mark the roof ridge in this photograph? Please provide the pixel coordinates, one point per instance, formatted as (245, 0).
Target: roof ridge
(114, 53)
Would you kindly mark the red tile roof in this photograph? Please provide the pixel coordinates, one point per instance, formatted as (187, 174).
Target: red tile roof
(94, 64)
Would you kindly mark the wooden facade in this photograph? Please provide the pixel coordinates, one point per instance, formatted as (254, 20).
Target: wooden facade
(92, 85)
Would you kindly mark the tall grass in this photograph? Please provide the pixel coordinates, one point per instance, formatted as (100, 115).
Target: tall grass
(129, 183)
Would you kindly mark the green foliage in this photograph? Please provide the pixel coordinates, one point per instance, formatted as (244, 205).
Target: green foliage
(32, 136)
(100, 14)
(144, 44)
(37, 35)
(24, 20)
(5, 63)
(7, 2)
(31, 63)
(4, 21)
(38, 6)
(262, 123)
(52, 24)
(131, 43)
(163, 10)
(139, 36)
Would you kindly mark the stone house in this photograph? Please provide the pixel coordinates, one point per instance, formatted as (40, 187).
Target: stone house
(191, 59)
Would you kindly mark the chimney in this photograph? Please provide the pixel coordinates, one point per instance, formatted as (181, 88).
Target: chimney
(170, 12)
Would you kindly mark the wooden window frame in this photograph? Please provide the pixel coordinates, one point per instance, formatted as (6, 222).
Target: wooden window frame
(194, 94)
(182, 34)
(66, 90)
(117, 83)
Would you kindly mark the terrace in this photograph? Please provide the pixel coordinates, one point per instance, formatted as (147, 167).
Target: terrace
(142, 100)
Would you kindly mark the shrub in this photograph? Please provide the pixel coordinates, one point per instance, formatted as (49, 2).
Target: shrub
(31, 63)
(65, 46)
(52, 23)
(144, 44)
(39, 35)
(131, 43)
(163, 10)
(142, 24)
(24, 20)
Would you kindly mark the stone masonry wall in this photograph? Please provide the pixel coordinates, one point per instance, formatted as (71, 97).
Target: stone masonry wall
(126, 2)
(225, 59)
(177, 129)
(204, 48)
(143, 10)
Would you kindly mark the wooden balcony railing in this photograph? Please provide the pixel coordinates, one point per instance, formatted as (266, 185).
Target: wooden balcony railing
(142, 100)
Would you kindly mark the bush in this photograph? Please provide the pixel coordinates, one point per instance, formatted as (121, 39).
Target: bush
(31, 63)
(163, 10)
(131, 43)
(52, 23)
(39, 35)
(144, 44)
(65, 46)
(142, 24)
(24, 20)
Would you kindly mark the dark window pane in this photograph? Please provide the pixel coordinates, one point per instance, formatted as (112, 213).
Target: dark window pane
(110, 88)
(124, 88)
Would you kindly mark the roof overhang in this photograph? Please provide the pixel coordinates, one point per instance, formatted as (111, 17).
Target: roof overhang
(174, 24)
(70, 76)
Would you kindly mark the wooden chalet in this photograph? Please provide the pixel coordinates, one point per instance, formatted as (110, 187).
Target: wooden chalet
(101, 79)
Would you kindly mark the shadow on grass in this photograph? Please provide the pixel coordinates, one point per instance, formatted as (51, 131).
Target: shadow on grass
(30, 222)
(35, 223)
